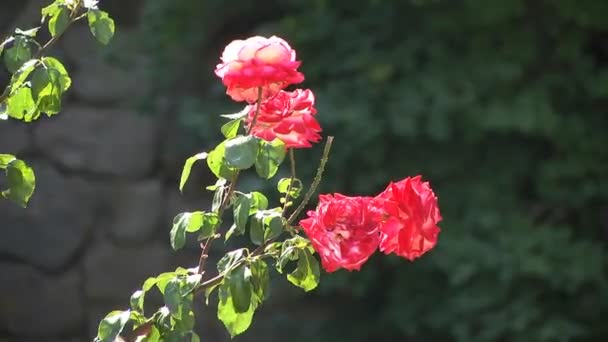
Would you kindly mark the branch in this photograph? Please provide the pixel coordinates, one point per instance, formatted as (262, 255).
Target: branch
(48, 45)
(292, 161)
(315, 182)
(207, 245)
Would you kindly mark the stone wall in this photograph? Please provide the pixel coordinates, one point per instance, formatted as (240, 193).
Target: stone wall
(97, 225)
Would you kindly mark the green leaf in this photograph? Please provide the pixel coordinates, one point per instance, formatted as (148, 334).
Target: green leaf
(112, 325)
(256, 229)
(101, 25)
(265, 225)
(228, 261)
(46, 90)
(258, 202)
(218, 196)
(178, 231)
(20, 77)
(260, 279)
(307, 273)
(19, 53)
(236, 323)
(21, 105)
(269, 158)
(241, 151)
(176, 299)
(241, 214)
(188, 167)
(208, 291)
(163, 279)
(149, 283)
(273, 226)
(217, 163)
(6, 159)
(55, 66)
(137, 300)
(231, 128)
(239, 281)
(21, 182)
(60, 19)
(296, 187)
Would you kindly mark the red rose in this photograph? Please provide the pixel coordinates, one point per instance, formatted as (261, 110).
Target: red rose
(410, 226)
(269, 63)
(288, 116)
(343, 230)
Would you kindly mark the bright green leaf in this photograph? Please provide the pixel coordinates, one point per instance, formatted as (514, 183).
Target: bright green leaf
(273, 227)
(21, 105)
(236, 323)
(231, 128)
(217, 163)
(269, 158)
(5, 159)
(56, 67)
(258, 202)
(256, 229)
(307, 273)
(241, 213)
(28, 33)
(188, 167)
(60, 19)
(241, 151)
(21, 182)
(111, 326)
(101, 25)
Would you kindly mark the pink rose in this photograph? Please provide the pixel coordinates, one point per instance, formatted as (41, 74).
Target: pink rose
(288, 116)
(269, 63)
(411, 216)
(343, 230)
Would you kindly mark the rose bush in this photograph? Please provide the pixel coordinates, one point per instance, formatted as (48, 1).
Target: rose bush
(345, 231)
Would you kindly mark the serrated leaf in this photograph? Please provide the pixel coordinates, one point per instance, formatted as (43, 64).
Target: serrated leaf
(269, 158)
(112, 325)
(231, 128)
(21, 182)
(236, 323)
(241, 151)
(240, 288)
(188, 167)
(217, 163)
(101, 25)
(307, 273)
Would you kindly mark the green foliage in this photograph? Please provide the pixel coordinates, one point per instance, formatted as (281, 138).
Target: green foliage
(20, 179)
(38, 82)
(270, 155)
(111, 326)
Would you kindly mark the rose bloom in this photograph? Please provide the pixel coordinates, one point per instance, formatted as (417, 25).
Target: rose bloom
(343, 230)
(288, 116)
(411, 216)
(256, 62)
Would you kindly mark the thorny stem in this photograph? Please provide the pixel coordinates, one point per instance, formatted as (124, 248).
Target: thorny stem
(315, 182)
(48, 45)
(205, 246)
(292, 161)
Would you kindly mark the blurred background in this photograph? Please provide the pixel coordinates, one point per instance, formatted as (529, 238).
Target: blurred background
(501, 105)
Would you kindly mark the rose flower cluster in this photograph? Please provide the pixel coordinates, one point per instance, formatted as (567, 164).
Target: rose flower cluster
(345, 231)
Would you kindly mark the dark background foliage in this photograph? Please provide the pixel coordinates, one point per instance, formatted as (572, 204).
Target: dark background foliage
(501, 105)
